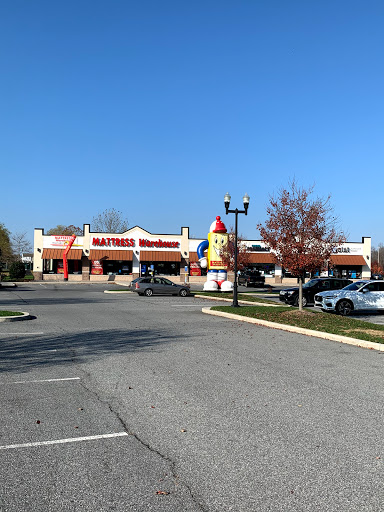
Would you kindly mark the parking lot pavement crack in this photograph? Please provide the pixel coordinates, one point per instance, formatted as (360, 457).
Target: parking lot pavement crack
(168, 460)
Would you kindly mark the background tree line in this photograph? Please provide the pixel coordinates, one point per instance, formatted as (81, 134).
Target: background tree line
(377, 259)
(14, 245)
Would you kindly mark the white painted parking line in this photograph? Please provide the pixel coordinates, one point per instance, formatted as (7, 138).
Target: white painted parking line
(44, 380)
(189, 305)
(21, 333)
(62, 441)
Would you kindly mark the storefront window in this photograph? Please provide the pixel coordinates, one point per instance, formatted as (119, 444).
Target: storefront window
(123, 268)
(57, 267)
(265, 269)
(165, 268)
(350, 273)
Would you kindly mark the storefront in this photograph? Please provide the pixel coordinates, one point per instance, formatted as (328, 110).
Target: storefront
(98, 256)
(351, 260)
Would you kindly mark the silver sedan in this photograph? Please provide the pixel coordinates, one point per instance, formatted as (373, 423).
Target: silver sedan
(149, 286)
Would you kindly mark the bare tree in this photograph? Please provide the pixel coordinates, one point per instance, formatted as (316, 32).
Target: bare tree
(109, 221)
(377, 255)
(20, 243)
(301, 232)
(62, 230)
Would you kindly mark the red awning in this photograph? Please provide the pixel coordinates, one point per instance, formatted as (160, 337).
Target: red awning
(100, 254)
(253, 257)
(193, 257)
(347, 260)
(160, 256)
(261, 257)
(57, 254)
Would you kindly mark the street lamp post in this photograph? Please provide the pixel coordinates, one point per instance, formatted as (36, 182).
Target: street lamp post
(227, 200)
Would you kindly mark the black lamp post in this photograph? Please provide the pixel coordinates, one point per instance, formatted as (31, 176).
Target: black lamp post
(227, 200)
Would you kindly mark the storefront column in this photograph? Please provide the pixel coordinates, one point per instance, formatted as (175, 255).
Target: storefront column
(85, 268)
(278, 274)
(184, 274)
(135, 264)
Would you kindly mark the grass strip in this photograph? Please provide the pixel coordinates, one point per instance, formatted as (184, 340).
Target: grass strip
(10, 313)
(315, 321)
(240, 296)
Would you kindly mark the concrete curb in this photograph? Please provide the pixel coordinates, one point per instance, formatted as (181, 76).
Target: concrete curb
(299, 330)
(246, 302)
(24, 316)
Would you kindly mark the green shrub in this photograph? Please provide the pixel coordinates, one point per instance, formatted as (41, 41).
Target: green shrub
(17, 270)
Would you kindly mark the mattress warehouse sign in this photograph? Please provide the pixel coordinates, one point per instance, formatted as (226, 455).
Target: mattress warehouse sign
(115, 242)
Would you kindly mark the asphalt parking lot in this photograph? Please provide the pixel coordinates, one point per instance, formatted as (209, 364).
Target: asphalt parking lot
(127, 403)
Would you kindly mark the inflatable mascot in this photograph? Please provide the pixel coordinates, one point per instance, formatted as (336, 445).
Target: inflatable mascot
(217, 270)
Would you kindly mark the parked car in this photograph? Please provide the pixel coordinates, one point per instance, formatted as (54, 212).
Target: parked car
(323, 296)
(359, 296)
(148, 286)
(311, 288)
(133, 282)
(251, 278)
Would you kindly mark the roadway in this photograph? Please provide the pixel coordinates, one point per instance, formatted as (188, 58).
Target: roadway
(127, 403)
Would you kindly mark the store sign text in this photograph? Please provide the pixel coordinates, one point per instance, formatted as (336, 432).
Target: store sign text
(113, 242)
(130, 242)
(258, 248)
(342, 249)
(158, 243)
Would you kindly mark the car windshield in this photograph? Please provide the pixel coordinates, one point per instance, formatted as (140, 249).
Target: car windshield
(355, 286)
(311, 283)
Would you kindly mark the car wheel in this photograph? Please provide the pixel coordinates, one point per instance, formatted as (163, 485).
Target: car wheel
(183, 293)
(304, 301)
(344, 307)
(148, 292)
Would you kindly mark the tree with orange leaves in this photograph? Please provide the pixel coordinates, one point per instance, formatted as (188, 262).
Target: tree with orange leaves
(227, 253)
(376, 268)
(300, 231)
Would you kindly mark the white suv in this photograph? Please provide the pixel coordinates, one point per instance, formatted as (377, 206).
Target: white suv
(358, 296)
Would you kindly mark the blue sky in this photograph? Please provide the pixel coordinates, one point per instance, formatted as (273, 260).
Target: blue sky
(158, 108)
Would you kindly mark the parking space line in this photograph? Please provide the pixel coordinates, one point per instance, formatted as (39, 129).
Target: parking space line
(44, 380)
(63, 441)
(21, 333)
(188, 305)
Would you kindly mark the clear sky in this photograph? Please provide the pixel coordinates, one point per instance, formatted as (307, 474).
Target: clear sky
(157, 108)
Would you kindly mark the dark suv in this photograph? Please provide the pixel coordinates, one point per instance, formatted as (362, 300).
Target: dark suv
(320, 284)
(251, 278)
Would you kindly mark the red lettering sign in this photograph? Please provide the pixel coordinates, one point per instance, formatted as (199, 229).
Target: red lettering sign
(130, 242)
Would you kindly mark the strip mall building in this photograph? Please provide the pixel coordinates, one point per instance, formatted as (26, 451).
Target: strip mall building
(102, 256)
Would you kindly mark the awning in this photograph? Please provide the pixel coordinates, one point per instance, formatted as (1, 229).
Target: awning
(345, 260)
(160, 256)
(57, 254)
(100, 254)
(193, 257)
(253, 257)
(261, 257)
